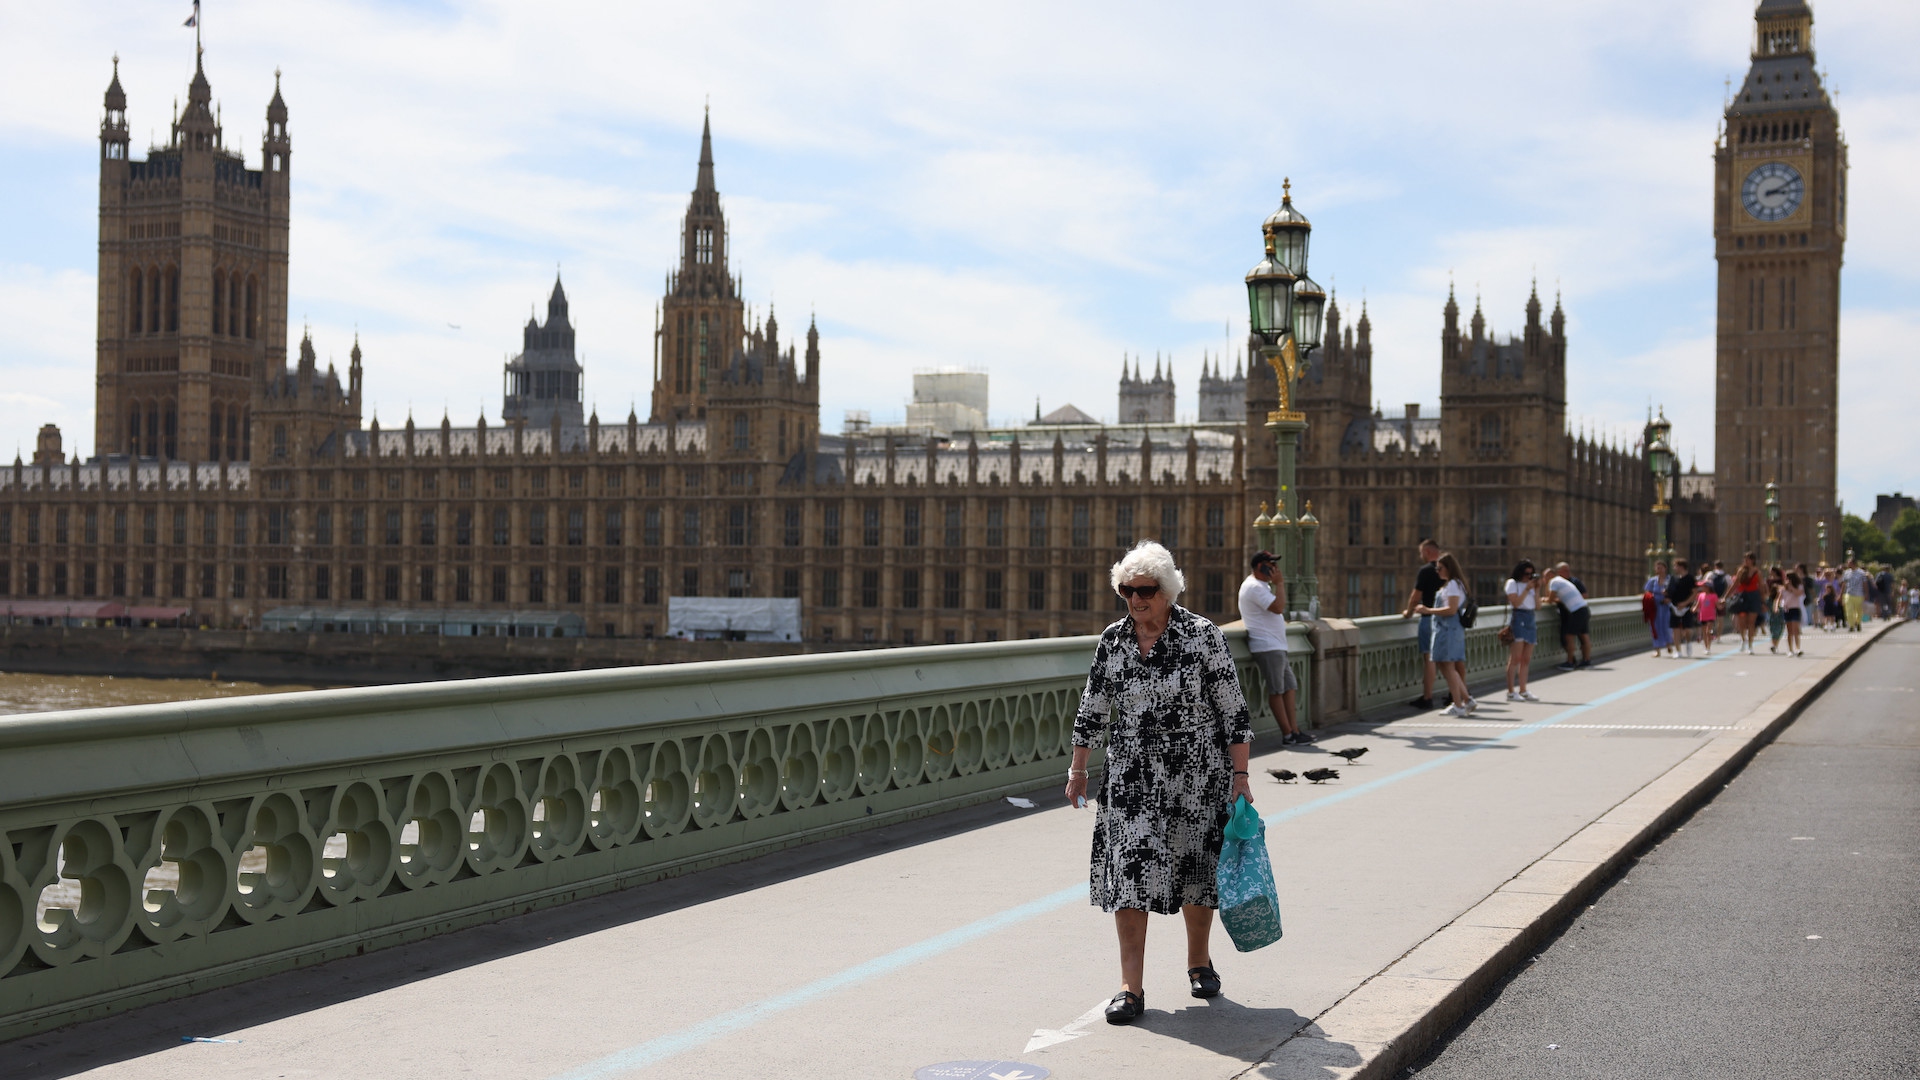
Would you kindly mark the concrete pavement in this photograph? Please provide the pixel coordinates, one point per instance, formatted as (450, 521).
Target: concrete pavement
(1407, 886)
(1771, 935)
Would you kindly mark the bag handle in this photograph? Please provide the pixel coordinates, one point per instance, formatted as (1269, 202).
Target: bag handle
(1245, 824)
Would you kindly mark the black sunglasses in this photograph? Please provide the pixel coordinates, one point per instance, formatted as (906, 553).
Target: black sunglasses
(1144, 592)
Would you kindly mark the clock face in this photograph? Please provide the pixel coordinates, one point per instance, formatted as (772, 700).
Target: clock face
(1772, 192)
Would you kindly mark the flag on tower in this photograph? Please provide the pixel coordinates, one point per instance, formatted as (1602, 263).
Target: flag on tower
(193, 19)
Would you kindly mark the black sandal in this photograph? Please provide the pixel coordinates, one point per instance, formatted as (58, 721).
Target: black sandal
(1126, 1007)
(1206, 981)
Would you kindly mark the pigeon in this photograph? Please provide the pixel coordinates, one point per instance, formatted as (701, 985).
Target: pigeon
(1321, 776)
(1285, 776)
(1350, 753)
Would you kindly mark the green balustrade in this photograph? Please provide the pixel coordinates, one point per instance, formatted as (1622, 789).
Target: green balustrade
(158, 850)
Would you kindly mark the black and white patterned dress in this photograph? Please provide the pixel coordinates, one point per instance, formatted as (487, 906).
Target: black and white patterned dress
(1164, 796)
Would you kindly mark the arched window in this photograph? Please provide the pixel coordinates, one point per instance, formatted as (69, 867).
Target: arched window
(246, 437)
(740, 429)
(154, 299)
(1490, 432)
(702, 354)
(133, 430)
(279, 440)
(215, 431)
(153, 429)
(170, 432)
(250, 300)
(136, 309)
(219, 302)
(233, 433)
(173, 300)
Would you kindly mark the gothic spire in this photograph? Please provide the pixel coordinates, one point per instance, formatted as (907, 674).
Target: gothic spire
(704, 184)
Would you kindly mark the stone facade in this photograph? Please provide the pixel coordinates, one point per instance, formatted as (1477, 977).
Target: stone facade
(1779, 227)
(224, 484)
(729, 488)
(1496, 477)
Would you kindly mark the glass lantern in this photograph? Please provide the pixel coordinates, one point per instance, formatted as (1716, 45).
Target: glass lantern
(1270, 297)
(1309, 307)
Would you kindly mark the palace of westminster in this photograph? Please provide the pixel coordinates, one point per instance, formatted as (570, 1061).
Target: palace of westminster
(230, 480)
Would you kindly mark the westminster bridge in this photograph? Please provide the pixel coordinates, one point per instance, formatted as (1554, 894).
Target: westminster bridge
(810, 865)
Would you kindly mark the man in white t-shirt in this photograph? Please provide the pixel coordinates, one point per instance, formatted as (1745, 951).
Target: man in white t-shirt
(1574, 616)
(1263, 607)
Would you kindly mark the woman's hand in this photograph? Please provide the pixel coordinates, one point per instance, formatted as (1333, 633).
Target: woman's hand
(1242, 789)
(1076, 789)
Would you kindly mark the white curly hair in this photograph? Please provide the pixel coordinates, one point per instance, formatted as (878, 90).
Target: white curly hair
(1149, 559)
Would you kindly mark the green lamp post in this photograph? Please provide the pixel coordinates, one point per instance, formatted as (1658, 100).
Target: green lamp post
(1773, 523)
(1286, 309)
(1660, 462)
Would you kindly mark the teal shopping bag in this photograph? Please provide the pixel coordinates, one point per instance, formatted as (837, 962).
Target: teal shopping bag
(1249, 904)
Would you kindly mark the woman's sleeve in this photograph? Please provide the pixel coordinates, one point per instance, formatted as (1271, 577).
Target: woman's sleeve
(1220, 684)
(1096, 701)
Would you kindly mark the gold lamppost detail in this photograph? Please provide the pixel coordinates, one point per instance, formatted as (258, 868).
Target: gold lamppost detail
(1820, 530)
(1285, 309)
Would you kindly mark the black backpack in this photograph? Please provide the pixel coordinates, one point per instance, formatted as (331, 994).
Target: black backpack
(1469, 611)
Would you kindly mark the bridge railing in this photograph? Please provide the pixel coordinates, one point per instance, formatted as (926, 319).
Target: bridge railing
(152, 851)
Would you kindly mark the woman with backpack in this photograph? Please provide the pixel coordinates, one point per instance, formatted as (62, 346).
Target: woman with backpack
(1449, 637)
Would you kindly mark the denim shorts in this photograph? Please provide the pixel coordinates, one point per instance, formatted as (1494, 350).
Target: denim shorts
(1522, 621)
(1449, 641)
(1426, 635)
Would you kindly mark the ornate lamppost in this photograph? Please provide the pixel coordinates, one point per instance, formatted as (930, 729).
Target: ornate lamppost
(1660, 462)
(1820, 530)
(1286, 309)
(1773, 523)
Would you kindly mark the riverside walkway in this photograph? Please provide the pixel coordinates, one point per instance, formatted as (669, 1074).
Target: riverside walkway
(1407, 886)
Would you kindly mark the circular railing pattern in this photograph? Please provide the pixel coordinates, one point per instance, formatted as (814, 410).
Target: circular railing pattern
(100, 884)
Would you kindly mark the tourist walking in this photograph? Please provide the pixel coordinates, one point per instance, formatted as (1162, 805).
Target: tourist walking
(1655, 591)
(1575, 616)
(1523, 597)
(1263, 608)
(1853, 585)
(1830, 607)
(1793, 607)
(1748, 594)
(1426, 585)
(1449, 637)
(1806, 598)
(1683, 592)
(1776, 616)
(1706, 608)
(1164, 692)
(1883, 592)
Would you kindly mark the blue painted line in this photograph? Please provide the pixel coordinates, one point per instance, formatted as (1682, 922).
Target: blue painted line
(654, 1051)
(1508, 736)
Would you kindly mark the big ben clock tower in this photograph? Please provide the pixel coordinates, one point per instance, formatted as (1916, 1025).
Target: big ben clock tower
(1779, 223)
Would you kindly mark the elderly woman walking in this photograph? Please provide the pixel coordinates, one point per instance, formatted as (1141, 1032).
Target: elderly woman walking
(1163, 687)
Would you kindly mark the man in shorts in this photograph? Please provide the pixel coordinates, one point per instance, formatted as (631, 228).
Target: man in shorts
(1426, 586)
(1263, 608)
(1575, 617)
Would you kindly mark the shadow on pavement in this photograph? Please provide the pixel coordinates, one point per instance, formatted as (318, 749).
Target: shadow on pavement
(1226, 1027)
(149, 1029)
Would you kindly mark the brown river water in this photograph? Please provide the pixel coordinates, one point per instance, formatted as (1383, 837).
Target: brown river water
(22, 693)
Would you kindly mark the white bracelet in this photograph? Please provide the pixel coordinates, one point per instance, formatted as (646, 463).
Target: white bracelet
(1076, 772)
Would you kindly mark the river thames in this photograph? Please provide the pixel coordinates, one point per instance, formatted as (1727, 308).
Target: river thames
(22, 693)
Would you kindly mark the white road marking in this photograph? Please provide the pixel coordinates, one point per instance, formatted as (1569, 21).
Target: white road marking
(1045, 1037)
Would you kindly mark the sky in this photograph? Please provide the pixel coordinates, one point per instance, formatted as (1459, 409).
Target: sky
(1033, 190)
